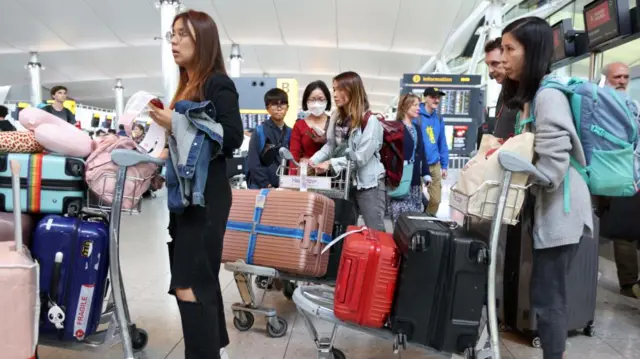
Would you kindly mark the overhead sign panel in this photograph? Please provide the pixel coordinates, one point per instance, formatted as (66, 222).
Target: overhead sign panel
(443, 80)
(606, 20)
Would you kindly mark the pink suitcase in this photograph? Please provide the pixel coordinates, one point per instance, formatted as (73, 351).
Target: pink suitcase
(19, 289)
(7, 228)
(280, 229)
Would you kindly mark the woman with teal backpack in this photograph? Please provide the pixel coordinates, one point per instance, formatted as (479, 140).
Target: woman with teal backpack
(407, 197)
(560, 222)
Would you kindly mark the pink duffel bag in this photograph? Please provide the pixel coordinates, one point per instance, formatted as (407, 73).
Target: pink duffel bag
(101, 172)
(55, 134)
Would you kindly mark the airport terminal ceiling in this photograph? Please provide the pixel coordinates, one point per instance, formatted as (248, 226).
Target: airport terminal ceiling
(87, 44)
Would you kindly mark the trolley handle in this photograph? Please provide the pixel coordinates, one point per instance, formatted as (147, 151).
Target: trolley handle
(128, 158)
(513, 162)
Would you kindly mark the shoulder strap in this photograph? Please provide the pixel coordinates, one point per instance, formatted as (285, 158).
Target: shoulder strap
(262, 140)
(365, 120)
(287, 136)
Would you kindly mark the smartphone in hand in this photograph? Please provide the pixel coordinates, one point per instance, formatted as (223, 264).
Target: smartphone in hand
(157, 103)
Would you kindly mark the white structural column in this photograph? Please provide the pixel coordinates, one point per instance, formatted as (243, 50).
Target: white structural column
(170, 75)
(34, 68)
(119, 94)
(596, 64)
(235, 61)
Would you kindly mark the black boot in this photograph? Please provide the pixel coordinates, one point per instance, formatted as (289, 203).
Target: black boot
(200, 330)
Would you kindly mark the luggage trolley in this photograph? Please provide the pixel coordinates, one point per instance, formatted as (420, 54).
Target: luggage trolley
(333, 187)
(317, 301)
(116, 312)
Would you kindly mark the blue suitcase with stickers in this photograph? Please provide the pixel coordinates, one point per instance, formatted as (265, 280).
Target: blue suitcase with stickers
(49, 183)
(73, 253)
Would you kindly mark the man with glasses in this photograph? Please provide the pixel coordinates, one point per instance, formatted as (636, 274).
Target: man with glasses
(266, 141)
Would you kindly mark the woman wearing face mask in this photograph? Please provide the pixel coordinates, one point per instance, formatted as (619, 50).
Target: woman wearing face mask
(558, 227)
(198, 232)
(349, 137)
(415, 160)
(309, 133)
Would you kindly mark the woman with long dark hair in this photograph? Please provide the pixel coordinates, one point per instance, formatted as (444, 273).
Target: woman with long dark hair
(197, 233)
(558, 227)
(349, 137)
(415, 161)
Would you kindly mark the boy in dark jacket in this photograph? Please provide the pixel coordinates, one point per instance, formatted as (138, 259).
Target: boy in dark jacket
(263, 158)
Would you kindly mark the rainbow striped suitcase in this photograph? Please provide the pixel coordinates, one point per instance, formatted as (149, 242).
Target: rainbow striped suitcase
(49, 183)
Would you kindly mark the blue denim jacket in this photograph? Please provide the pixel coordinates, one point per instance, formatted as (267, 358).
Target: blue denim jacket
(196, 139)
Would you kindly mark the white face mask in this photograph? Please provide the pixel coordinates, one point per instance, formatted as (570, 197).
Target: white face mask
(317, 108)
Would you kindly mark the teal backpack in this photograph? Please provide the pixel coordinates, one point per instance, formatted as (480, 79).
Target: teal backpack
(607, 124)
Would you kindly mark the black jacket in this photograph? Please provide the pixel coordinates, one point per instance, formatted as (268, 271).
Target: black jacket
(505, 120)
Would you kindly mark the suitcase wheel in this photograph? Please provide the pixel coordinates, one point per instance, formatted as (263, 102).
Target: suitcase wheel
(590, 330)
(289, 288)
(503, 327)
(535, 342)
(243, 324)
(139, 339)
(74, 209)
(470, 353)
(338, 354)
(278, 332)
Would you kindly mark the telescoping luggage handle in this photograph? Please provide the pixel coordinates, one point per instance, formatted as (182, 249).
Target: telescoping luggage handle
(17, 211)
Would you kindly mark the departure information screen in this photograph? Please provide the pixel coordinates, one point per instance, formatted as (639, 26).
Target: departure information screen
(559, 52)
(601, 21)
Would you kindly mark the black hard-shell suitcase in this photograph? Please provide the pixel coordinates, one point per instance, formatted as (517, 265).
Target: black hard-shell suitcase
(441, 287)
(615, 223)
(514, 299)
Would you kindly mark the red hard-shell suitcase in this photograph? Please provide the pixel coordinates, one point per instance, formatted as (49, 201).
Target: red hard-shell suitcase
(366, 278)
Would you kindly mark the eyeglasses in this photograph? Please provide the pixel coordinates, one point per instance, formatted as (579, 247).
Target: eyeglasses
(280, 106)
(170, 35)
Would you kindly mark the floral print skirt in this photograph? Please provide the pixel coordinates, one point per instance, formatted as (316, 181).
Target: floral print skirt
(411, 203)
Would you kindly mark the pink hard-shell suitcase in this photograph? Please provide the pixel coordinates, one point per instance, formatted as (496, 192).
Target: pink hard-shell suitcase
(7, 225)
(286, 230)
(19, 289)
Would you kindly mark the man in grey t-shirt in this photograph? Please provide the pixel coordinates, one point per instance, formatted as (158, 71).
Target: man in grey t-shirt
(59, 96)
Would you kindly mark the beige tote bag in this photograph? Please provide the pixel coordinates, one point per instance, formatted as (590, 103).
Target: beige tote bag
(478, 189)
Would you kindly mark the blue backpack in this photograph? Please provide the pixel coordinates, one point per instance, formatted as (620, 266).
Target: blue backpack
(607, 124)
(263, 139)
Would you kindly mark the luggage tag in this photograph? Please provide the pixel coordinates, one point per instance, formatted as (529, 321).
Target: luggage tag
(303, 177)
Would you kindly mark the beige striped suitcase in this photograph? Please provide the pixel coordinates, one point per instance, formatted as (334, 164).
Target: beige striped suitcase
(280, 229)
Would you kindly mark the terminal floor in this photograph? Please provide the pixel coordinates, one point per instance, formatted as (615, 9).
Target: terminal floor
(146, 274)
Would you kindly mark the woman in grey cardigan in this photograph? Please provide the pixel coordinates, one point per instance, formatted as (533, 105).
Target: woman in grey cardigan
(527, 46)
(347, 138)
